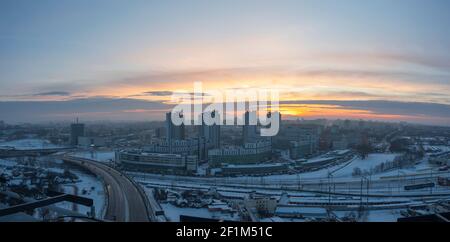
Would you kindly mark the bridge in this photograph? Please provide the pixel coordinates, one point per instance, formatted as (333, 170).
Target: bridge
(127, 202)
(6, 153)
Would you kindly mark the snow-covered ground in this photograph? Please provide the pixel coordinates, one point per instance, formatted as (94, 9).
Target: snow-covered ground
(89, 186)
(30, 144)
(7, 163)
(364, 164)
(380, 215)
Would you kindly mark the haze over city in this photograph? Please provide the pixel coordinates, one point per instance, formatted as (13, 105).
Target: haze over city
(116, 60)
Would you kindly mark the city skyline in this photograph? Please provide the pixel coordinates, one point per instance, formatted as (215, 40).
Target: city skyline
(111, 60)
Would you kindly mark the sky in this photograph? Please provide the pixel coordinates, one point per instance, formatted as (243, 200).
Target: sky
(326, 57)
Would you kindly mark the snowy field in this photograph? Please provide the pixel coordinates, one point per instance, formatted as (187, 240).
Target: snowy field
(344, 170)
(89, 186)
(381, 215)
(29, 144)
(364, 164)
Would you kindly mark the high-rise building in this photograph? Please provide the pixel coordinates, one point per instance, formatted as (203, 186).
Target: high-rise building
(76, 130)
(173, 132)
(249, 132)
(211, 133)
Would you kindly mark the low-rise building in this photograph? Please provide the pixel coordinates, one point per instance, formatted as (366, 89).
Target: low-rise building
(137, 160)
(264, 205)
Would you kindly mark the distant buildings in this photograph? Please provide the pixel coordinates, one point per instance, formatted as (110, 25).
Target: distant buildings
(249, 131)
(211, 133)
(91, 141)
(249, 153)
(173, 131)
(76, 131)
(191, 146)
(302, 140)
(300, 149)
(341, 144)
(204, 146)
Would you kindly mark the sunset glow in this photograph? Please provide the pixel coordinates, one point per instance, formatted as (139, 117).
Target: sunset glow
(310, 54)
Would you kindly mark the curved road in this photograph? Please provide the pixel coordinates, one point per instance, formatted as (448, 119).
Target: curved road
(125, 201)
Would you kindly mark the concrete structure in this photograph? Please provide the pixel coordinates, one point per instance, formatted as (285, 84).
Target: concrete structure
(126, 202)
(173, 132)
(249, 153)
(211, 133)
(303, 148)
(177, 143)
(137, 160)
(264, 205)
(76, 131)
(249, 131)
(191, 146)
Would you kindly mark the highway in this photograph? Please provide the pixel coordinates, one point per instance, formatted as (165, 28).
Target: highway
(126, 203)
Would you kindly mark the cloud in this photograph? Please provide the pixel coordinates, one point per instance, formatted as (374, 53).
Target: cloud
(159, 93)
(429, 110)
(170, 93)
(97, 108)
(54, 93)
(128, 109)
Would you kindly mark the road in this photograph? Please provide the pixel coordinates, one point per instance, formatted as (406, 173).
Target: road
(125, 202)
